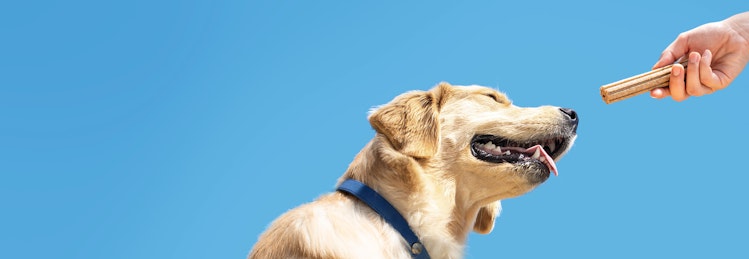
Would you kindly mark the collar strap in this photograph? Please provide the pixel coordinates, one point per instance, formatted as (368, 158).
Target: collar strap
(387, 212)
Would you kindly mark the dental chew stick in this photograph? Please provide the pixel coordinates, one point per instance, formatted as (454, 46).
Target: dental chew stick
(638, 84)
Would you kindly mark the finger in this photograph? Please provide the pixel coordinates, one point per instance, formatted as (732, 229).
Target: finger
(659, 93)
(676, 86)
(694, 86)
(707, 77)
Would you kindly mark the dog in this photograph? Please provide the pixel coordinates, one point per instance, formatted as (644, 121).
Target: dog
(444, 159)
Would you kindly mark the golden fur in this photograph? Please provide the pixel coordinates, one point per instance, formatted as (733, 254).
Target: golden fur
(420, 160)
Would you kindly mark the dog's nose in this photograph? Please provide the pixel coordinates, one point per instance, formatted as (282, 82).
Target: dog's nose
(571, 116)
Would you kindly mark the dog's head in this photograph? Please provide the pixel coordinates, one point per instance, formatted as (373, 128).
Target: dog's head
(474, 138)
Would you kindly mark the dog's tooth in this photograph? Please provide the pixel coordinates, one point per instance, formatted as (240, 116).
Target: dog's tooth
(552, 146)
(490, 145)
(536, 154)
(507, 152)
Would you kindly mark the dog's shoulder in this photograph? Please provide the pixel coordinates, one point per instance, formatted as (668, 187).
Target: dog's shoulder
(333, 226)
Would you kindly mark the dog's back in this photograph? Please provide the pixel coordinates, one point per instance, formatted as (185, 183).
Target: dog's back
(333, 226)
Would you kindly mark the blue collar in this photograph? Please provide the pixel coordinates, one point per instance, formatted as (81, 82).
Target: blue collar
(387, 212)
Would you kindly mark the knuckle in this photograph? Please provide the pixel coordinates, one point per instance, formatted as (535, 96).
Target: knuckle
(694, 92)
(682, 36)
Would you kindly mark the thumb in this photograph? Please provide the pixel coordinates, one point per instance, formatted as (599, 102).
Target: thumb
(674, 51)
(665, 59)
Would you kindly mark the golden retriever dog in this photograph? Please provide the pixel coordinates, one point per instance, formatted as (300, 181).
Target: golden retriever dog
(444, 159)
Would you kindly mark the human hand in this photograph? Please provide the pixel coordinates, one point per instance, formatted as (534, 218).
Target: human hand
(717, 53)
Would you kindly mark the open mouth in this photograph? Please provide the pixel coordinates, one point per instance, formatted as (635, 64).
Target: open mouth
(496, 149)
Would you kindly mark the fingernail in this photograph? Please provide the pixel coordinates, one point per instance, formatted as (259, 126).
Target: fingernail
(708, 55)
(694, 57)
(675, 71)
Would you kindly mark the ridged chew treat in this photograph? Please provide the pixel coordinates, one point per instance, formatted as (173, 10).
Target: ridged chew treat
(638, 84)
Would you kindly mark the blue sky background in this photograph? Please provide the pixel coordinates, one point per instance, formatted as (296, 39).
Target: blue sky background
(181, 129)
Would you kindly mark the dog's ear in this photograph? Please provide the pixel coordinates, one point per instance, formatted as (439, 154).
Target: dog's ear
(410, 121)
(485, 219)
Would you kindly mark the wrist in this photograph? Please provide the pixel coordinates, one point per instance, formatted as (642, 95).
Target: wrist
(740, 24)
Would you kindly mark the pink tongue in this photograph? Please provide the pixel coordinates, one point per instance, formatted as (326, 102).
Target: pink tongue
(548, 160)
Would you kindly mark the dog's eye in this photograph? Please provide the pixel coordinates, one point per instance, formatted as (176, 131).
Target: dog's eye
(495, 98)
